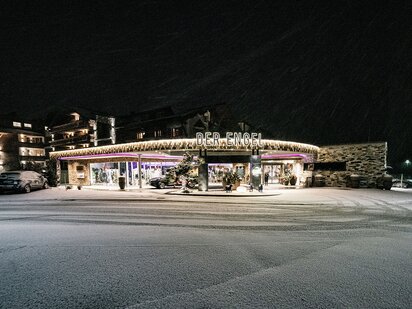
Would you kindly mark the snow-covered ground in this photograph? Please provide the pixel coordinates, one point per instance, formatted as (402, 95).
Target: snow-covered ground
(295, 248)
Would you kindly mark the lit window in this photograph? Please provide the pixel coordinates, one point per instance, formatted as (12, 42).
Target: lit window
(175, 132)
(140, 135)
(157, 133)
(75, 116)
(27, 125)
(16, 124)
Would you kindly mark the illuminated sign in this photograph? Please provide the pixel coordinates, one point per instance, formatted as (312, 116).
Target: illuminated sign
(232, 139)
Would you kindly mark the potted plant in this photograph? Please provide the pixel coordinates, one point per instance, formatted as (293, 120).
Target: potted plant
(231, 178)
(235, 180)
(292, 180)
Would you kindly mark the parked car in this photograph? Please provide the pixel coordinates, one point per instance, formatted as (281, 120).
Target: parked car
(407, 183)
(163, 182)
(384, 182)
(22, 181)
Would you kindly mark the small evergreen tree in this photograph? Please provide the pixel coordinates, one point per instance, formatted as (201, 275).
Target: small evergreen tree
(51, 172)
(35, 167)
(184, 169)
(12, 165)
(231, 177)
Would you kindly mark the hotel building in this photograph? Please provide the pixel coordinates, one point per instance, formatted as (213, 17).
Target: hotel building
(162, 137)
(21, 143)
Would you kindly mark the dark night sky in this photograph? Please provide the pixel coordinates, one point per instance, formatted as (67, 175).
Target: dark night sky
(309, 71)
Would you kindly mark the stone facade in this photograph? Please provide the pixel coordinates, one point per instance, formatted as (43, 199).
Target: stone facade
(366, 160)
(79, 173)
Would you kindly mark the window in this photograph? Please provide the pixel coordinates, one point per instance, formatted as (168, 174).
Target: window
(157, 133)
(140, 135)
(16, 124)
(175, 132)
(325, 166)
(27, 125)
(75, 116)
(32, 152)
(68, 135)
(38, 140)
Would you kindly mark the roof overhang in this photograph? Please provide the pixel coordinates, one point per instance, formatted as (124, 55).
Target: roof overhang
(172, 147)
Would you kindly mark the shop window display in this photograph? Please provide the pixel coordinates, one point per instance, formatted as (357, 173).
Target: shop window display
(104, 173)
(216, 172)
(272, 173)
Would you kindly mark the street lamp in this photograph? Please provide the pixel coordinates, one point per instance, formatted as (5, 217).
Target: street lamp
(407, 162)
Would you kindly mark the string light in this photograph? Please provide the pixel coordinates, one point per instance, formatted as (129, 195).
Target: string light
(186, 144)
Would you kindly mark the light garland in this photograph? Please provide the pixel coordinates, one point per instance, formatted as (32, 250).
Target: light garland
(183, 145)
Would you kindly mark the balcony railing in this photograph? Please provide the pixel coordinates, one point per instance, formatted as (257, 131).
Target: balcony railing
(71, 140)
(79, 124)
(31, 145)
(32, 158)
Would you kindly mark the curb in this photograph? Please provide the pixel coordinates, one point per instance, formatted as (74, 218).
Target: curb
(222, 195)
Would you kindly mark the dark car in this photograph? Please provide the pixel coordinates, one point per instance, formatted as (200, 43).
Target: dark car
(384, 182)
(163, 182)
(22, 181)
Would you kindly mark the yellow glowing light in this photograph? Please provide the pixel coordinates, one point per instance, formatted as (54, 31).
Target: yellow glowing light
(185, 144)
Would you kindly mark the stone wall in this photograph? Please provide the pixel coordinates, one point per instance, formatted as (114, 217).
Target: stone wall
(367, 160)
(76, 169)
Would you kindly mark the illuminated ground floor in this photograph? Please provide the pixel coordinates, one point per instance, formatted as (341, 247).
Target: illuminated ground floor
(270, 162)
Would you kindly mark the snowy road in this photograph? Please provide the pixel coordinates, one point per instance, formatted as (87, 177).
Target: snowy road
(308, 248)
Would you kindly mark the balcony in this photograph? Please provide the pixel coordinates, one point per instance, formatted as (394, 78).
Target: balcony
(31, 145)
(71, 140)
(75, 125)
(32, 158)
